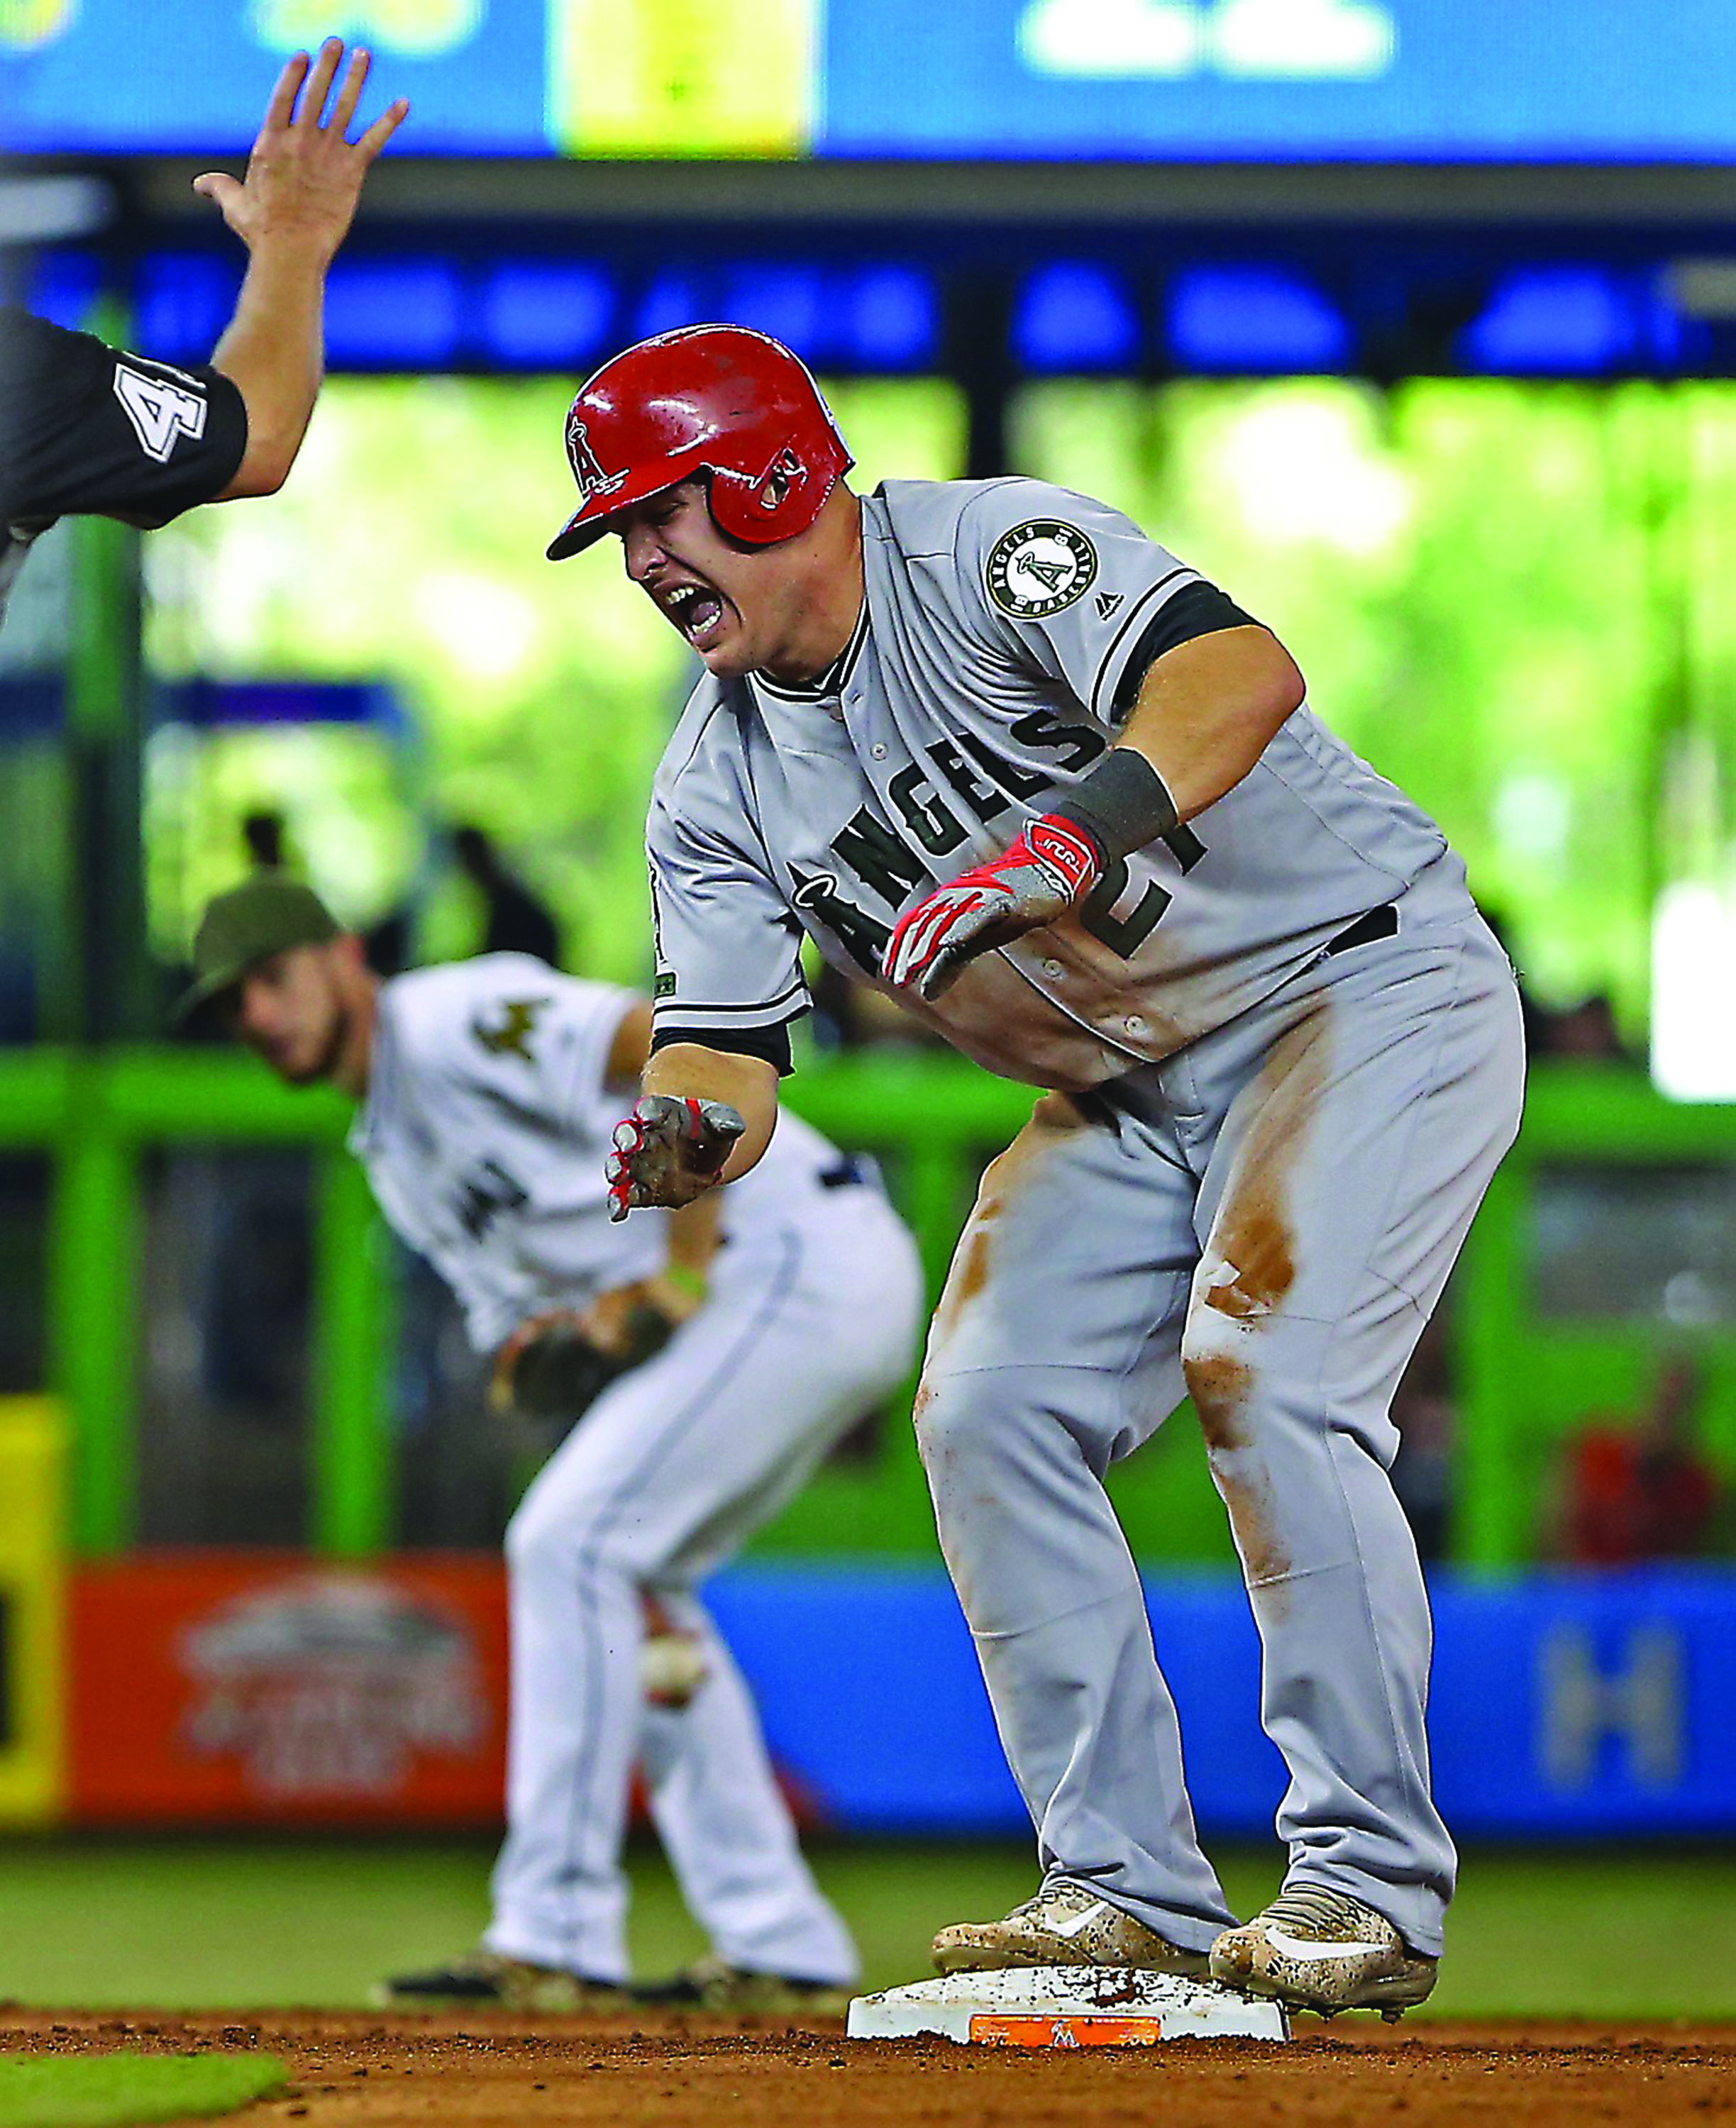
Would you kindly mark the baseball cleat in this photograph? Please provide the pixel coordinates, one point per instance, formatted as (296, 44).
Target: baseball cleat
(1318, 1949)
(1065, 1925)
(485, 1980)
(710, 1983)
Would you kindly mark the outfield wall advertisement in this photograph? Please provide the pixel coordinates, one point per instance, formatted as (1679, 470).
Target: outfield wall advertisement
(1438, 80)
(217, 1689)
(255, 1688)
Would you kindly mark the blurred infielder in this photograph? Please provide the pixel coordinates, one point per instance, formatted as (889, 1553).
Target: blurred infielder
(985, 743)
(719, 1360)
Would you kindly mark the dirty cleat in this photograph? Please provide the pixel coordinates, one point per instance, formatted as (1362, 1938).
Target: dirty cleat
(711, 1983)
(1317, 1950)
(1065, 1925)
(485, 1980)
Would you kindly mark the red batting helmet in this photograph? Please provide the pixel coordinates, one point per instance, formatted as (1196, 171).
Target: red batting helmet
(714, 399)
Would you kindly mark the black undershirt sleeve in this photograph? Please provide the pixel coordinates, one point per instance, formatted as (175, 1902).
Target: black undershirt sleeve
(1195, 609)
(89, 428)
(772, 1043)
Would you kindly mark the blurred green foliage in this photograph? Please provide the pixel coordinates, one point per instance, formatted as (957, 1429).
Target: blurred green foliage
(1508, 596)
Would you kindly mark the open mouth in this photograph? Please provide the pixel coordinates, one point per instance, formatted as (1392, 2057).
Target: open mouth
(698, 612)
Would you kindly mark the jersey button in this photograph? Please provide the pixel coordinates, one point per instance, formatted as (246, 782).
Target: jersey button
(1054, 970)
(1135, 1025)
(878, 752)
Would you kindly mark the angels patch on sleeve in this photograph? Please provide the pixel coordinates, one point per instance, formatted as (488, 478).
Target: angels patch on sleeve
(1039, 567)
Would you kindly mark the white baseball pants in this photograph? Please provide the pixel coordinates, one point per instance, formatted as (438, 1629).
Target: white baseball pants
(810, 1322)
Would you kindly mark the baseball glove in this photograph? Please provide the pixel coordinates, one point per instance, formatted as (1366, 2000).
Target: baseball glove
(549, 1369)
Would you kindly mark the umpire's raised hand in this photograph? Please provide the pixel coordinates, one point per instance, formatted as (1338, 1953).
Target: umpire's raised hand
(304, 177)
(291, 210)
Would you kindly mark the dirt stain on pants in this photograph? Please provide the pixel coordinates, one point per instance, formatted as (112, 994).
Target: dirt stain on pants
(1246, 1270)
(1055, 1119)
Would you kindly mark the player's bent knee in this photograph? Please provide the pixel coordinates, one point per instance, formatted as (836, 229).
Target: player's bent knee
(1220, 1355)
(529, 1540)
(961, 1419)
(541, 1538)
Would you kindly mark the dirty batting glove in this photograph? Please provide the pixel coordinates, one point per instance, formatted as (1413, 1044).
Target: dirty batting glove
(1049, 868)
(669, 1151)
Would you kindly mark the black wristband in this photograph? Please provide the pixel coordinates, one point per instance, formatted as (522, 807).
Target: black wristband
(1122, 804)
(772, 1044)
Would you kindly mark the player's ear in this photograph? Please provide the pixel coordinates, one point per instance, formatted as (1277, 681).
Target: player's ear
(351, 950)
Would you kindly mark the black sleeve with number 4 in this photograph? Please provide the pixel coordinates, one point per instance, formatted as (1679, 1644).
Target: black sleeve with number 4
(85, 428)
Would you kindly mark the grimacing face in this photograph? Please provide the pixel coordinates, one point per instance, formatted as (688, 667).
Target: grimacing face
(290, 1010)
(739, 607)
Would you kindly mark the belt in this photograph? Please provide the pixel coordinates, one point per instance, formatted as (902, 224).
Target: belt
(854, 1170)
(1377, 924)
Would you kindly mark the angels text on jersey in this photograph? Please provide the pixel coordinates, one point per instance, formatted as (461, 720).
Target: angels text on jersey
(971, 776)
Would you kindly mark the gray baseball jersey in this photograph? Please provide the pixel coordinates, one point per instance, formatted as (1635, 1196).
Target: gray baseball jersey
(1006, 628)
(485, 1130)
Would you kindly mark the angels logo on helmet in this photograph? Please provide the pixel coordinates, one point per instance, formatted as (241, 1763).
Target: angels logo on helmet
(587, 471)
(721, 401)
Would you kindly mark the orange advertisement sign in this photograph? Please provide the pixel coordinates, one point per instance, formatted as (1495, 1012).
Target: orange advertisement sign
(259, 1687)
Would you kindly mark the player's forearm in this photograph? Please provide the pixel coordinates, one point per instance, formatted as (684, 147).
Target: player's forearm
(1209, 709)
(273, 353)
(748, 1085)
(694, 1233)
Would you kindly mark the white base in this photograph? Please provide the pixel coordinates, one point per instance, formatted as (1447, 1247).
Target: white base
(1065, 2005)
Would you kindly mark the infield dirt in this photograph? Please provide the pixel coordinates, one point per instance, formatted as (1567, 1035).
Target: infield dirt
(352, 2070)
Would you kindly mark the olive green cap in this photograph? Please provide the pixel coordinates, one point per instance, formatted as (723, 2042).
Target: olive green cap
(265, 914)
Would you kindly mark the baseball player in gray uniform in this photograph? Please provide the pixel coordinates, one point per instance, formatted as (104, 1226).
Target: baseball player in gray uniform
(988, 745)
(723, 1358)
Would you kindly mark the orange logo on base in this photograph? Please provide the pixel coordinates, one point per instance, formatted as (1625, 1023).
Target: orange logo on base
(1085, 2031)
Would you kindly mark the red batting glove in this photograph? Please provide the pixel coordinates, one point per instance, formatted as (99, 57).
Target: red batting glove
(1051, 866)
(669, 1151)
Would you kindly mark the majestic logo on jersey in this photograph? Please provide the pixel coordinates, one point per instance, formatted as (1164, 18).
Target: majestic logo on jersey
(587, 467)
(512, 1037)
(1037, 568)
(1109, 604)
(161, 412)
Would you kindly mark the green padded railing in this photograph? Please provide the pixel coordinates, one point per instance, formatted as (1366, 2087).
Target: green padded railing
(1523, 1383)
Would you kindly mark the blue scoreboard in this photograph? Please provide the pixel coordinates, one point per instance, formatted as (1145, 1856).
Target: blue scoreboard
(1166, 80)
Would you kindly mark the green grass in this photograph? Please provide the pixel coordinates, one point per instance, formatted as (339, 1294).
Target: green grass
(179, 1923)
(118, 2090)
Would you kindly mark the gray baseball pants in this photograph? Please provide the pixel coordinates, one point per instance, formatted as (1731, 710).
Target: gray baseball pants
(1264, 1221)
